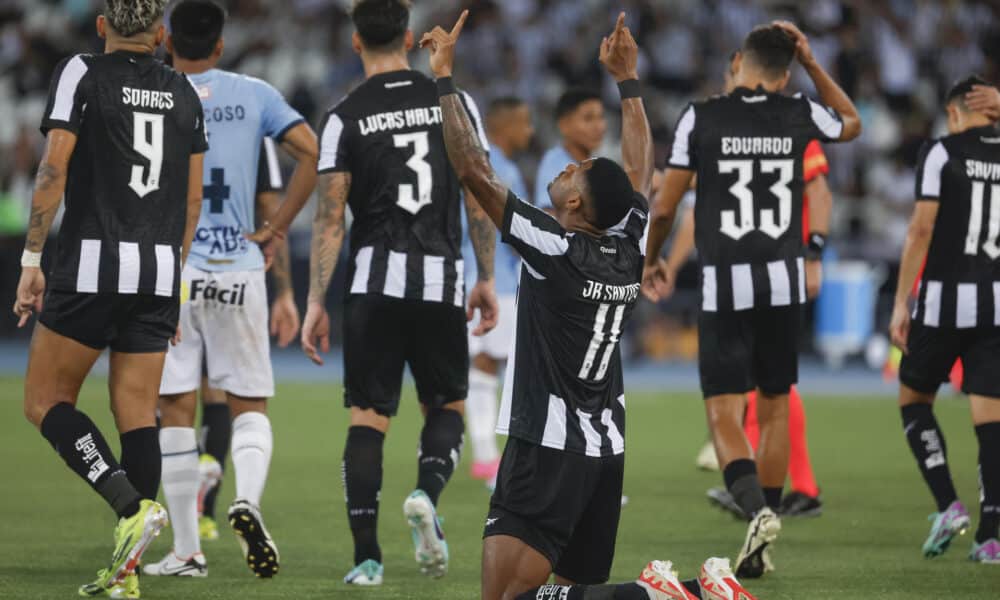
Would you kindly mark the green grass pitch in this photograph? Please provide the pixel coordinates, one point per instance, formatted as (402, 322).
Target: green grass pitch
(56, 533)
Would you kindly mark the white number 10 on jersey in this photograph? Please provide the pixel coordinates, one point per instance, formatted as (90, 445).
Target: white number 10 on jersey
(419, 165)
(992, 219)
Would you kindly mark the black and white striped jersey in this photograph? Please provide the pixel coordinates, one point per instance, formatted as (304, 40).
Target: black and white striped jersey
(960, 287)
(137, 123)
(406, 238)
(269, 177)
(747, 149)
(563, 386)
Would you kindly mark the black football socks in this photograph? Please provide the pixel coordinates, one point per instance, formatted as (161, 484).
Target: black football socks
(81, 445)
(742, 482)
(362, 471)
(141, 460)
(989, 481)
(772, 495)
(928, 447)
(625, 591)
(440, 447)
(216, 430)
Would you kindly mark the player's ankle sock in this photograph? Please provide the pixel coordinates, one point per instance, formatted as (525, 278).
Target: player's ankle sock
(928, 447)
(989, 481)
(799, 465)
(216, 429)
(624, 591)
(180, 486)
(481, 415)
(741, 480)
(252, 444)
(362, 469)
(141, 460)
(81, 445)
(440, 447)
(772, 496)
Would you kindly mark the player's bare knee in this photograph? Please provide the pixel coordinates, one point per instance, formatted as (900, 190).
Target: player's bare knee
(908, 396)
(241, 404)
(367, 417)
(457, 406)
(178, 410)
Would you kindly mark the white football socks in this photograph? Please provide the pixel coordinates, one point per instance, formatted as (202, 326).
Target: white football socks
(179, 448)
(481, 415)
(251, 449)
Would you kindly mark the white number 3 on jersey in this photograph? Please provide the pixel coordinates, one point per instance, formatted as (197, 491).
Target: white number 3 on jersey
(418, 164)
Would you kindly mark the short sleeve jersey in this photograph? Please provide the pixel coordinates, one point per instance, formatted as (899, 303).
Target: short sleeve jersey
(961, 281)
(406, 237)
(564, 386)
(137, 124)
(241, 112)
(748, 150)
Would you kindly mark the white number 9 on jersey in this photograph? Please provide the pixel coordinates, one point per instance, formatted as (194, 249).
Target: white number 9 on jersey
(418, 164)
(147, 140)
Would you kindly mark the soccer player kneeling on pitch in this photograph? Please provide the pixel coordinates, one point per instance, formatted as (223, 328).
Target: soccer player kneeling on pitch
(558, 495)
(955, 225)
(125, 141)
(224, 324)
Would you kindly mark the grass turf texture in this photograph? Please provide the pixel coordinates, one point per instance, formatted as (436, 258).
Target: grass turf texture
(56, 533)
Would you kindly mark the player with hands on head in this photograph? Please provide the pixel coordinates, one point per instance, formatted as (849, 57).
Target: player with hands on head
(746, 148)
(558, 497)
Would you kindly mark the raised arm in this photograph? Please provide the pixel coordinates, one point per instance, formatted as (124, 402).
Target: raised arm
(829, 92)
(465, 151)
(50, 183)
(620, 56)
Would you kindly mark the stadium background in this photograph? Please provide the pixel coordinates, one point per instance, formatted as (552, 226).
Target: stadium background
(894, 57)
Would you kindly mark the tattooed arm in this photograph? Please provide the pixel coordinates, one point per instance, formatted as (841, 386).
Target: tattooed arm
(483, 236)
(472, 165)
(50, 183)
(328, 237)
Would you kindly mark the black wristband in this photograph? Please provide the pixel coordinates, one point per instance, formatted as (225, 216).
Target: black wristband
(817, 243)
(446, 85)
(629, 89)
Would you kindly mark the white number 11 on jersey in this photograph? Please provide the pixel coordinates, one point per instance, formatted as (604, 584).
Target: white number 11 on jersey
(420, 166)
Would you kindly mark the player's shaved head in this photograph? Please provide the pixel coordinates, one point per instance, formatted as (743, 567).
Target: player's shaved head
(196, 27)
(382, 24)
(129, 18)
(769, 49)
(956, 95)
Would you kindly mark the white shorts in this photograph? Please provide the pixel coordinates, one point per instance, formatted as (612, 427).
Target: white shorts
(496, 344)
(223, 326)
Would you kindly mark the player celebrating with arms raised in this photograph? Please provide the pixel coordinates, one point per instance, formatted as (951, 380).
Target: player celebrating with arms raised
(747, 149)
(558, 495)
(125, 140)
(956, 226)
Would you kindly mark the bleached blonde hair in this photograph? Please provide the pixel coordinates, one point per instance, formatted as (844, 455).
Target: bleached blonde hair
(130, 17)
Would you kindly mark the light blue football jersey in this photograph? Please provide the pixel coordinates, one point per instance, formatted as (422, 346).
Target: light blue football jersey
(240, 112)
(507, 266)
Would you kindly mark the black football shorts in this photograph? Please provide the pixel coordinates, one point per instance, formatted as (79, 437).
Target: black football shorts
(382, 335)
(739, 351)
(130, 323)
(933, 351)
(564, 505)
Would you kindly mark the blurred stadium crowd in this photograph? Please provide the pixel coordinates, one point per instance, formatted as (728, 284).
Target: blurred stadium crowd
(894, 57)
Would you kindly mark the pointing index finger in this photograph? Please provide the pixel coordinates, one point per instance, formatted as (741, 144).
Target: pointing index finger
(621, 22)
(457, 29)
